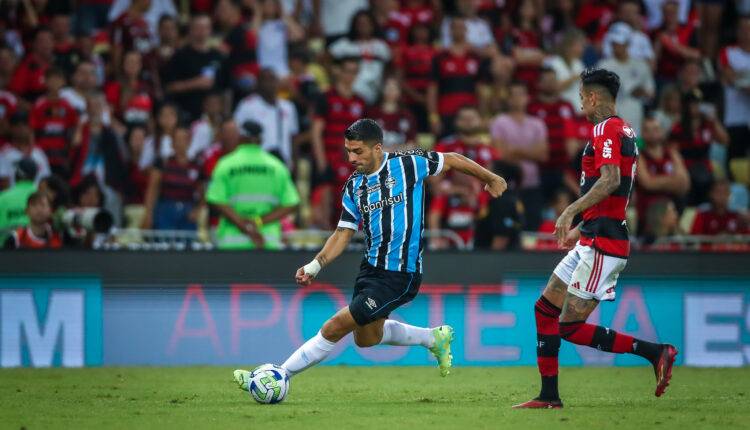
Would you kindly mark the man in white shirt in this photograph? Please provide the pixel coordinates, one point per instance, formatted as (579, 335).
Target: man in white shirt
(629, 14)
(637, 79)
(84, 84)
(478, 31)
(277, 116)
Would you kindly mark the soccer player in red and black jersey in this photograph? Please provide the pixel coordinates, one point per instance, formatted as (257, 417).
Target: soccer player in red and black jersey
(600, 248)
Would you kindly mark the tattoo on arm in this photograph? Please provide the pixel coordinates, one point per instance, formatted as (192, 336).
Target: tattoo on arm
(607, 183)
(577, 309)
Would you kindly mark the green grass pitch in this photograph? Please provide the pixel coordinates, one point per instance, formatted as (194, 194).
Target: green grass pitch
(382, 398)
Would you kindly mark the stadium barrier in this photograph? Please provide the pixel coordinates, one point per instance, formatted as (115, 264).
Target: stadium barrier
(83, 308)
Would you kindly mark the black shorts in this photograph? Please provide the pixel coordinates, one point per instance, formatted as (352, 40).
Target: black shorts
(378, 292)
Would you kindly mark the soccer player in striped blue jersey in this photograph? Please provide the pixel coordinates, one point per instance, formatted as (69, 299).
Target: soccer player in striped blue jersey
(386, 197)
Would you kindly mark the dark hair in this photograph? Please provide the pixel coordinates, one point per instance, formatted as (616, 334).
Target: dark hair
(431, 34)
(61, 189)
(601, 78)
(89, 181)
(36, 197)
(366, 130)
(352, 35)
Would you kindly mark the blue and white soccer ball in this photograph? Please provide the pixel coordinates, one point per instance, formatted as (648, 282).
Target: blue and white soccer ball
(269, 384)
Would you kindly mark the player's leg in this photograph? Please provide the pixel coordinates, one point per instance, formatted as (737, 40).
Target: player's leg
(547, 313)
(317, 348)
(582, 298)
(390, 332)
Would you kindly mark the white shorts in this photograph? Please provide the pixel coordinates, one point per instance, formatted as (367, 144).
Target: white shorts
(590, 274)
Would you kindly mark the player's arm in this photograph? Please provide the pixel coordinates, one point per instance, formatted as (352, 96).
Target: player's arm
(494, 184)
(609, 180)
(334, 246)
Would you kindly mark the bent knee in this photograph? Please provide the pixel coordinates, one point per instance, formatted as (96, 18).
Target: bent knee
(365, 341)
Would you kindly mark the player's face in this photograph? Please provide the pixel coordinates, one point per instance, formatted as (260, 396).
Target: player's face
(362, 157)
(39, 212)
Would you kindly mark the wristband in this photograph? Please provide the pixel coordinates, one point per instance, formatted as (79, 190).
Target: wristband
(312, 268)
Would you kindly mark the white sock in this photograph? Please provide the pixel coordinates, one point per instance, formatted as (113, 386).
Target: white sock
(309, 354)
(398, 333)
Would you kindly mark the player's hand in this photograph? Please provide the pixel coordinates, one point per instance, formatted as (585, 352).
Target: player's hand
(497, 187)
(303, 279)
(570, 239)
(562, 227)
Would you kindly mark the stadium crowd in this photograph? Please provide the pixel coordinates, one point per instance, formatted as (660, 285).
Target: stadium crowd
(130, 105)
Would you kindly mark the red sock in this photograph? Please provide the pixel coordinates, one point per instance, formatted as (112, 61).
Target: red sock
(595, 336)
(547, 346)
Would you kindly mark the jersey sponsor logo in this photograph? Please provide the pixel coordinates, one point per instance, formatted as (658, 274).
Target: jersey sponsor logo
(607, 150)
(390, 201)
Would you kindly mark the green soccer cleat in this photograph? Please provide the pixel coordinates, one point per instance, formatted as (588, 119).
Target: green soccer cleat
(242, 378)
(442, 348)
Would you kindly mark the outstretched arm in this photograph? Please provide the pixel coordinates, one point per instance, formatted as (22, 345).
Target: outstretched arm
(494, 184)
(334, 246)
(607, 183)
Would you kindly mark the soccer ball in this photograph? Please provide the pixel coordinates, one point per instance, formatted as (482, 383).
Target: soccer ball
(269, 383)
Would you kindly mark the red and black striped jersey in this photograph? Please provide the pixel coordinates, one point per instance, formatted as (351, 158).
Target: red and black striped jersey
(559, 116)
(604, 226)
(457, 77)
(338, 112)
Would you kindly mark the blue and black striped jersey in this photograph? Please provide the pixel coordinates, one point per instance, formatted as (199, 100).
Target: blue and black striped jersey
(389, 204)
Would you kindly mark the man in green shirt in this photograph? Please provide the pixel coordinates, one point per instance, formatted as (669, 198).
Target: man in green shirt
(13, 200)
(252, 190)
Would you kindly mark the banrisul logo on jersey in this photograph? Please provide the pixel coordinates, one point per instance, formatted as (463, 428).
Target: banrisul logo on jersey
(384, 203)
(50, 322)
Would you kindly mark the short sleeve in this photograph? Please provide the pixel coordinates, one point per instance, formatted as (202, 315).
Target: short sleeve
(217, 188)
(429, 163)
(606, 145)
(350, 216)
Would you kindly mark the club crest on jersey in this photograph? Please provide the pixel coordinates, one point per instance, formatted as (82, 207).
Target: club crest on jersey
(390, 182)
(607, 149)
(628, 131)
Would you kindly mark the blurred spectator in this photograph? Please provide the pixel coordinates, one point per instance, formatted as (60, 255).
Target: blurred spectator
(38, 233)
(332, 18)
(253, 191)
(520, 38)
(499, 227)
(717, 218)
(130, 96)
(203, 131)
(240, 40)
(674, 43)
(493, 97)
(398, 124)
(655, 12)
(88, 194)
(13, 200)
(393, 23)
(57, 191)
(278, 116)
(53, 120)
(154, 10)
(709, 15)
(365, 43)
(416, 71)
(169, 43)
(630, 19)
(88, 51)
(334, 112)
(559, 117)
(159, 144)
(303, 91)
(568, 66)
(522, 139)
(65, 43)
(693, 136)
(468, 142)
(228, 139)
(661, 172)
(137, 176)
(174, 189)
(638, 89)
(28, 81)
(21, 146)
(734, 63)
(457, 211)
(193, 71)
(558, 201)
(275, 30)
(83, 84)
(456, 73)
(478, 32)
(129, 30)
(669, 110)
(594, 18)
(662, 221)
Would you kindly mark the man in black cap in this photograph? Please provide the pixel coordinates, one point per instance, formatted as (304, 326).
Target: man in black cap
(253, 191)
(13, 200)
